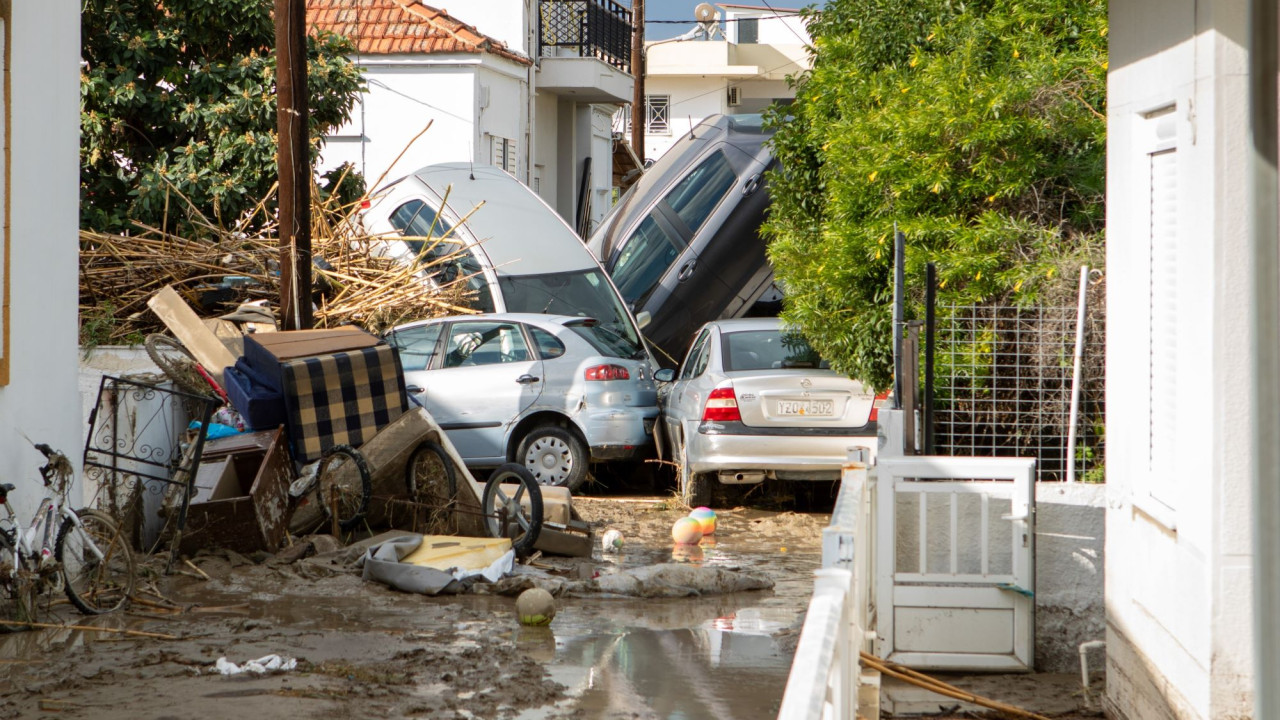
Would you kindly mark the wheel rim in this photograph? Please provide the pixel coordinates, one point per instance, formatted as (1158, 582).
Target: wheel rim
(550, 459)
(511, 504)
(101, 584)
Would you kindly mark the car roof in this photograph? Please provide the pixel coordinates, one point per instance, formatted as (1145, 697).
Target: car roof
(529, 318)
(746, 324)
(519, 232)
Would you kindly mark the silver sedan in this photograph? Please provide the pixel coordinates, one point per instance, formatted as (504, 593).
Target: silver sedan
(752, 401)
(550, 392)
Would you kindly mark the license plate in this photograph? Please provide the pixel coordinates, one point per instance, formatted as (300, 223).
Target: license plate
(806, 408)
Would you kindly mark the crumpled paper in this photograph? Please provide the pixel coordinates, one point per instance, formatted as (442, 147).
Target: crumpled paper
(261, 666)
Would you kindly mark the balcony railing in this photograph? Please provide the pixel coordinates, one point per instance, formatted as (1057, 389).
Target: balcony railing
(587, 28)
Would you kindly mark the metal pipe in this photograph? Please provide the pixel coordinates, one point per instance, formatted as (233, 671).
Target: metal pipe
(1262, 309)
(1075, 374)
(930, 299)
(899, 283)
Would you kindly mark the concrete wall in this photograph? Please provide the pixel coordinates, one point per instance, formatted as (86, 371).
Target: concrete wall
(1178, 521)
(43, 205)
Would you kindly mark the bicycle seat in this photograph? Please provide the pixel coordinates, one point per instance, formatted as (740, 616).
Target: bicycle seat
(7, 488)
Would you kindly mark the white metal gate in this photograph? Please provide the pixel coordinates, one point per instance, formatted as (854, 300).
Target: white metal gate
(955, 562)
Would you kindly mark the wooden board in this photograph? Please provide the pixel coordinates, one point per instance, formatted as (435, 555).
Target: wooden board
(185, 325)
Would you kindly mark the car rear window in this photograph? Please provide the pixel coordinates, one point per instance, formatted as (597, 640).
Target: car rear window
(603, 339)
(768, 350)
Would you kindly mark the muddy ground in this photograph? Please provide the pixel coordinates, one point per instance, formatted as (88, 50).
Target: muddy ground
(364, 651)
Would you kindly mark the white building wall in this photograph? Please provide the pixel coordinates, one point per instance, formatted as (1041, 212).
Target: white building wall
(502, 108)
(546, 161)
(403, 96)
(1177, 532)
(772, 28)
(692, 100)
(505, 20)
(41, 401)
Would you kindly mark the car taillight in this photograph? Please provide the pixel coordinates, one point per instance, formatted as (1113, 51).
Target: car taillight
(607, 372)
(881, 400)
(722, 406)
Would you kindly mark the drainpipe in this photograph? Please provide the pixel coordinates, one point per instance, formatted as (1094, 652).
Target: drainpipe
(535, 52)
(1263, 312)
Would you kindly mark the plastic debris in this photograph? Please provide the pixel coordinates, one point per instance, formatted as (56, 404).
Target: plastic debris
(263, 665)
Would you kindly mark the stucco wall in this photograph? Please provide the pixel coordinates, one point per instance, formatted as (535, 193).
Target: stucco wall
(1178, 557)
(40, 400)
(402, 98)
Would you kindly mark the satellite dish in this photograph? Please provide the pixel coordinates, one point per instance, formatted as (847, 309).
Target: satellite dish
(705, 13)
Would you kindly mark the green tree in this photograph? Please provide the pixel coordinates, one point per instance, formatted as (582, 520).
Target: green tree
(177, 99)
(978, 127)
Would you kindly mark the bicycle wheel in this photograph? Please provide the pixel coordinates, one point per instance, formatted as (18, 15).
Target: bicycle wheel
(178, 364)
(345, 484)
(505, 514)
(97, 565)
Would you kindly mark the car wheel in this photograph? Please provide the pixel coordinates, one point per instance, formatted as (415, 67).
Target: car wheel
(695, 488)
(555, 456)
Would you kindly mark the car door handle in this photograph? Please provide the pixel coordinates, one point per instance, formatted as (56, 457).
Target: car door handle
(752, 184)
(414, 389)
(527, 379)
(687, 271)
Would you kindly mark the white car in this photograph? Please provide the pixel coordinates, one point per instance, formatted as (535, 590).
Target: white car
(752, 401)
(550, 392)
(476, 222)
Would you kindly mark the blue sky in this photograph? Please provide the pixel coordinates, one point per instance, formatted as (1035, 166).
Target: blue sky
(683, 10)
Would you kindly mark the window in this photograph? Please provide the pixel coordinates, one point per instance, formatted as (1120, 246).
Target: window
(696, 361)
(416, 346)
(768, 349)
(643, 260)
(485, 343)
(585, 293)
(549, 346)
(696, 196)
(504, 153)
(748, 30)
(444, 259)
(658, 114)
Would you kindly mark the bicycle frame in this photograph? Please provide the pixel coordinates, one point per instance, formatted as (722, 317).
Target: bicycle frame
(41, 527)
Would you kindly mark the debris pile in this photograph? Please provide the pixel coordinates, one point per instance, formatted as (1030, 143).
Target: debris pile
(355, 281)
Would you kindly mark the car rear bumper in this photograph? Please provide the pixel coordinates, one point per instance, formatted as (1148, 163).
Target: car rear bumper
(619, 433)
(794, 453)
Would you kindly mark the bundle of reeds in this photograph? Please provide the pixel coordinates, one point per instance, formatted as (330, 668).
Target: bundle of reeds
(357, 282)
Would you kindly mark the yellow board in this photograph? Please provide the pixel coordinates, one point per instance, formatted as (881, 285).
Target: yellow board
(443, 552)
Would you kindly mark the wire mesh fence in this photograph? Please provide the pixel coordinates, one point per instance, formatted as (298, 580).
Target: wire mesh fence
(1002, 387)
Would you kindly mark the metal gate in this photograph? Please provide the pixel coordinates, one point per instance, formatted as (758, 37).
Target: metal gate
(955, 562)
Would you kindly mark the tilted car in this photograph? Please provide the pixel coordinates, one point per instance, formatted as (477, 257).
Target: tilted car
(550, 392)
(752, 401)
(476, 224)
(683, 244)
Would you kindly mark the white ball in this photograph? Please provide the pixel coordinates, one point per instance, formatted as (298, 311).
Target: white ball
(535, 606)
(612, 541)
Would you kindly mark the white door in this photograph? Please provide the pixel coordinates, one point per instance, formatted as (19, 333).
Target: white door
(955, 562)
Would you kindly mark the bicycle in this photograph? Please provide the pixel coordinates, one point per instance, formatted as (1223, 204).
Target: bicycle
(89, 559)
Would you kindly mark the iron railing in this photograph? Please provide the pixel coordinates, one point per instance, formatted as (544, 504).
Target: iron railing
(593, 28)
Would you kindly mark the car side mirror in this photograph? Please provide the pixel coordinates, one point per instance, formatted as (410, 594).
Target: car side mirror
(665, 375)
(643, 319)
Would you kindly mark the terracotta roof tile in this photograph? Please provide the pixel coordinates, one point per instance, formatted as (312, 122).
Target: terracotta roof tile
(402, 26)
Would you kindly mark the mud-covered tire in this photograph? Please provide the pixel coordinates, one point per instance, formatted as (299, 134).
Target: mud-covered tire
(350, 495)
(528, 524)
(178, 364)
(430, 475)
(554, 456)
(95, 585)
(695, 488)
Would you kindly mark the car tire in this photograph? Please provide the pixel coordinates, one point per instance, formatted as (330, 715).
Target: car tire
(555, 456)
(695, 488)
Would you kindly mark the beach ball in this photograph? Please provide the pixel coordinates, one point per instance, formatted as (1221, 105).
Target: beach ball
(612, 541)
(706, 517)
(535, 606)
(686, 531)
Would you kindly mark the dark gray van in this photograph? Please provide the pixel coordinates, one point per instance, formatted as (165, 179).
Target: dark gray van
(683, 244)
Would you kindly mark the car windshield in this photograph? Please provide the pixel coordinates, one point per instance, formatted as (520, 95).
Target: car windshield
(768, 350)
(584, 293)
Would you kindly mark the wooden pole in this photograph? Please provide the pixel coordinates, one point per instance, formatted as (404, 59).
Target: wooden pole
(293, 163)
(639, 113)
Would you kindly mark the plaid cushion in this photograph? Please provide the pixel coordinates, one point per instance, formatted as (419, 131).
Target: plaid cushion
(341, 399)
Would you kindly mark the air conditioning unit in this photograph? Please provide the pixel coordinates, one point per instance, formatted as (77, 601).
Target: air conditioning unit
(735, 96)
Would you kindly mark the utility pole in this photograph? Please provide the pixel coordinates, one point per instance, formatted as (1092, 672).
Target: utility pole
(639, 113)
(293, 163)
